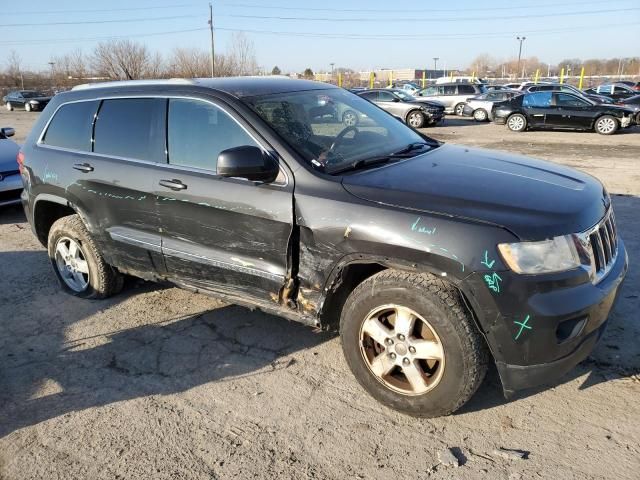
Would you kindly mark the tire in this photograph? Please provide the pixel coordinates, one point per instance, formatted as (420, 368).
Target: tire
(638, 119)
(517, 122)
(27, 107)
(606, 125)
(450, 383)
(416, 119)
(9, 106)
(102, 280)
(459, 108)
(480, 115)
(350, 118)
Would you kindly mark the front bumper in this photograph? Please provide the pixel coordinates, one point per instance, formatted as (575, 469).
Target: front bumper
(564, 316)
(10, 189)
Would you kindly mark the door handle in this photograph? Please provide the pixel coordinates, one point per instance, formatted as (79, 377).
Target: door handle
(83, 167)
(173, 184)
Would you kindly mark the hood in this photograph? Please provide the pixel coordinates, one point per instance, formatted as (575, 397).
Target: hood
(531, 198)
(8, 153)
(38, 99)
(429, 101)
(426, 103)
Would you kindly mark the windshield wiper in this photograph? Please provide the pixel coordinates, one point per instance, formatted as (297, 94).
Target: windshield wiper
(367, 162)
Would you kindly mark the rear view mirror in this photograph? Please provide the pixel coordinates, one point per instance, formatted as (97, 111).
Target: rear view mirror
(7, 132)
(247, 162)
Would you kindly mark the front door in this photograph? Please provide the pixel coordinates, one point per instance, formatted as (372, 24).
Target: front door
(220, 234)
(575, 112)
(391, 103)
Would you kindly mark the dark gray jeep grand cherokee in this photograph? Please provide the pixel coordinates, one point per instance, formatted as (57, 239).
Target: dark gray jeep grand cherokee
(431, 258)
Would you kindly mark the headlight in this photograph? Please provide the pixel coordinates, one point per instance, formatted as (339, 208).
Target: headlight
(555, 255)
(34, 102)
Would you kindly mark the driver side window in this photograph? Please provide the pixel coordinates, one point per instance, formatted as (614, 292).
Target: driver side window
(385, 97)
(564, 100)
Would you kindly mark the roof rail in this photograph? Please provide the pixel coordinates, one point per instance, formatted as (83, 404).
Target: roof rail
(132, 83)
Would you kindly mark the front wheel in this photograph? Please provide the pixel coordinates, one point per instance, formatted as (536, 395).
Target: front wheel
(27, 107)
(459, 110)
(9, 106)
(517, 122)
(416, 119)
(606, 125)
(411, 343)
(77, 262)
(350, 118)
(480, 115)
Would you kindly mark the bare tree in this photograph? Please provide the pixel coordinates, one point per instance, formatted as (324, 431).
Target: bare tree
(190, 63)
(121, 60)
(14, 68)
(242, 55)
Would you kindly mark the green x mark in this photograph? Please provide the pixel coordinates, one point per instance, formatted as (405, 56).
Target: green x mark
(523, 325)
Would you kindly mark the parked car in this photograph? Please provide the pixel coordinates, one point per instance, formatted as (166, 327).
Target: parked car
(27, 99)
(452, 95)
(560, 110)
(480, 107)
(632, 103)
(613, 91)
(632, 85)
(563, 87)
(10, 181)
(513, 86)
(223, 187)
(491, 87)
(407, 108)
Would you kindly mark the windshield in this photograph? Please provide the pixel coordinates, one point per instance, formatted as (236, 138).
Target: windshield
(32, 94)
(333, 128)
(404, 95)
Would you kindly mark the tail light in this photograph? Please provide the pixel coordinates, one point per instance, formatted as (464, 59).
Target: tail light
(20, 160)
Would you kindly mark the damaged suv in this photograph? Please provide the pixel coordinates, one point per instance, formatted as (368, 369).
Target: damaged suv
(431, 259)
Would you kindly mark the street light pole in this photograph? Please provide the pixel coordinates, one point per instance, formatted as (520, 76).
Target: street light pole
(435, 65)
(51, 64)
(332, 64)
(521, 40)
(213, 68)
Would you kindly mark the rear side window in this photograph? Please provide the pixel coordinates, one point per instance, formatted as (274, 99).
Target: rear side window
(71, 126)
(371, 96)
(449, 90)
(132, 128)
(466, 89)
(538, 99)
(199, 131)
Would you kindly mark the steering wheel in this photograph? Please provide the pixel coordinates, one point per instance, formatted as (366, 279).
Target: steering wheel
(341, 136)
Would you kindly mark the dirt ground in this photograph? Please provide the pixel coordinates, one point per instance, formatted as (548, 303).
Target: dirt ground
(164, 384)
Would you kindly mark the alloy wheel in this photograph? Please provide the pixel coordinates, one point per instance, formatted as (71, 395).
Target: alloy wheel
(459, 109)
(415, 119)
(606, 125)
(72, 264)
(349, 119)
(516, 123)
(480, 115)
(402, 350)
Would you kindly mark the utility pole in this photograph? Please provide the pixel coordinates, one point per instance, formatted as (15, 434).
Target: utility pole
(213, 68)
(51, 64)
(332, 64)
(435, 65)
(521, 40)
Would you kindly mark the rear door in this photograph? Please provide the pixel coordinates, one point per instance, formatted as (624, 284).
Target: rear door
(537, 107)
(113, 181)
(222, 234)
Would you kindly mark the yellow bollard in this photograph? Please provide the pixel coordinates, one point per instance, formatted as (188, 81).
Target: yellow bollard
(424, 79)
(371, 80)
(581, 78)
(451, 76)
(473, 76)
(537, 77)
(391, 78)
(339, 79)
(562, 75)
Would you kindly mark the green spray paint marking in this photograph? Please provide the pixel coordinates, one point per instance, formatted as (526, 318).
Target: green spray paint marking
(523, 325)
(493, 282)
(486, 260)
(416, 228)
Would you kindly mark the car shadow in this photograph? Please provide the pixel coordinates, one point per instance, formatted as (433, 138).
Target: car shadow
(616, 357)
(12, 214)
(46, 371)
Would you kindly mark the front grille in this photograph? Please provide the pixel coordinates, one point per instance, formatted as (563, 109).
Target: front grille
(603, 239)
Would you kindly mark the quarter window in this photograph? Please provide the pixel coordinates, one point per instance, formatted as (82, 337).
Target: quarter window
(537, 99)
(71, 126)
(132, 128)
(199, 131)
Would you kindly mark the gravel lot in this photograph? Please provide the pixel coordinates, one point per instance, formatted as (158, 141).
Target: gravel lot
(161, 383)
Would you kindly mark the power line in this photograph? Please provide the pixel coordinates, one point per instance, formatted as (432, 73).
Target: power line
(89, 39)
(94, 22)
(410, 36)
(428, 10)
(100, 10)
(430, 20)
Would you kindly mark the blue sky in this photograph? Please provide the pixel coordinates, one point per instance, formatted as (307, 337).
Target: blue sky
(360, 33)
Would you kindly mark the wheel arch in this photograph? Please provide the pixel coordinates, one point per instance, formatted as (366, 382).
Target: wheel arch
(48, 208)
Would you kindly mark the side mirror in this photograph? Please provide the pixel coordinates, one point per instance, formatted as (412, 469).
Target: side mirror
(396, 99)
(7, 132)
(247, 162)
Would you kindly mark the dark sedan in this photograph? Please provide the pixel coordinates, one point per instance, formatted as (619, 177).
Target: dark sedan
(404, 106)
(10, 181)
(613, 91)
(561, 110)
(30, 100)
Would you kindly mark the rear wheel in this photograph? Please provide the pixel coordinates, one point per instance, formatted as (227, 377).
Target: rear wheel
(411, 343)
(606, 125)
(517, 122)
(350, 118)
(77, 262)
(480, 115)
(459, 109)
(9, 106)
(27, 107)
(416, 119)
